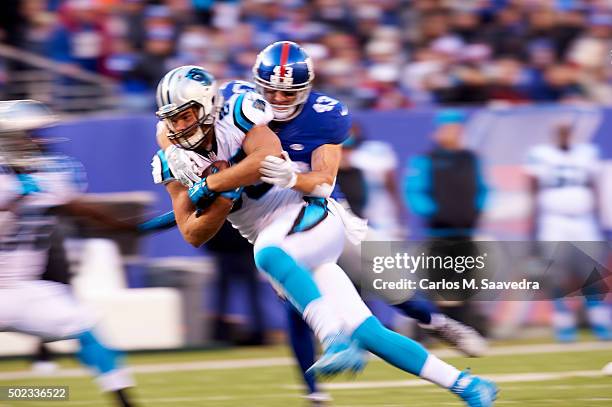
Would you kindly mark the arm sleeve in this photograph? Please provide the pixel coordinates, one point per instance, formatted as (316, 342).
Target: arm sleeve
(481, 187)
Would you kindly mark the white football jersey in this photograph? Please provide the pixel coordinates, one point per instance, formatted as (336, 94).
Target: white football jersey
(25, 225)
(259, 203)
(565, 178)
(375, 159)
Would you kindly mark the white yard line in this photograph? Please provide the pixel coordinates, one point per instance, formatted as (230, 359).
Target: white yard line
(287, 361)
(498, 378)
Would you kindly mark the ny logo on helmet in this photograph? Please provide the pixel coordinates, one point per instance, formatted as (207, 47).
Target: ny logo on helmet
(282, 75)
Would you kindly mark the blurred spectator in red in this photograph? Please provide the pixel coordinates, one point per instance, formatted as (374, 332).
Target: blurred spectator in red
(506, 76)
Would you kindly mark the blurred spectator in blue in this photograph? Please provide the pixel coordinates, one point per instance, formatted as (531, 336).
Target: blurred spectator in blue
(158, 48)
(333, 13)
(81, 38)
(506, 33)
(298, 26)
(263, 15)
(446, 186)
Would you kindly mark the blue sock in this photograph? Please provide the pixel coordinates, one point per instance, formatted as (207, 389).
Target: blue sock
(302, 344)
(418, 307)
(96, 355)
(296, 281)
(401, 352)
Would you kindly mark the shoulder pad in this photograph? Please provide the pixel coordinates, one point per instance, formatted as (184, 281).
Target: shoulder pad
(251, 109)
(334, 118)
(232, 87)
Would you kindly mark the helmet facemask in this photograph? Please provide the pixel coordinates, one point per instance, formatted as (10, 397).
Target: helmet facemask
(295, 97)
(180, 131)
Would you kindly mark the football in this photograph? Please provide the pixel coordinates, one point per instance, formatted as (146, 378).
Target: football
(215, 167)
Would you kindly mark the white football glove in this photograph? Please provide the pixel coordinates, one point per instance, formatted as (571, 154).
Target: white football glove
(183, 167)
(279, 171)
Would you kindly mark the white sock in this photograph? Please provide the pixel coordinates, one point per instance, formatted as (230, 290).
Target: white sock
(115, 380)
(321, 318)
(563, 320)
(439, 372)
(599, 315)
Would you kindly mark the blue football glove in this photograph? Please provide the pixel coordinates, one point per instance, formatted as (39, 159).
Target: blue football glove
(200, 195)
(234, 194)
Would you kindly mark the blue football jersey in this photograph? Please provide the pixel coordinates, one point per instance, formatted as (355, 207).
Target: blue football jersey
(323, 120)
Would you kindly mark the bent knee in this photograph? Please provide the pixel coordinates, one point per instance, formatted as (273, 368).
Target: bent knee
(274, 261)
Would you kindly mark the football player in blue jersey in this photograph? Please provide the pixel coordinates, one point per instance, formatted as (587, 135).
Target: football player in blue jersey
(311, 127)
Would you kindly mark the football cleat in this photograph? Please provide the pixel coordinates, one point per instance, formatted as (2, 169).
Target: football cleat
(566, 335)
(340, 354)
(318, 399)
(466, 339)
(474, 390)
(602, 332)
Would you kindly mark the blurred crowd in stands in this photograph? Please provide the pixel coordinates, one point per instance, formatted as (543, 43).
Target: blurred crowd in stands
(376, 54)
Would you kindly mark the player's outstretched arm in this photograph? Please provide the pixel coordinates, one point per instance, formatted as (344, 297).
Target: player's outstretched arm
(319, 182)
(259, 142)
(197, 227)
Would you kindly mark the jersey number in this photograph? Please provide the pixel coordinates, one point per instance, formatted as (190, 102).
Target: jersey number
(324, 104)
(224, 111)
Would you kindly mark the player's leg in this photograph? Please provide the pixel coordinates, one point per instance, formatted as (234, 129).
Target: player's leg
(394, 348)
(435, 323)
(416, 306)
(293, 278)
(57, 270)
(593, 244)
(551, 231)
(302, 344)
(47, 310)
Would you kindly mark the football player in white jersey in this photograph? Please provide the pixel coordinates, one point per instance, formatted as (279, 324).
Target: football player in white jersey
(298, 235)
(564, 179)
(31, 183)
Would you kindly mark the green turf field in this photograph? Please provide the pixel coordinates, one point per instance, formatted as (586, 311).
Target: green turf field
(528, 375)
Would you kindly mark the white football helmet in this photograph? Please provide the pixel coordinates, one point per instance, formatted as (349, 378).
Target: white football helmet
(187, 88)
(19, 121)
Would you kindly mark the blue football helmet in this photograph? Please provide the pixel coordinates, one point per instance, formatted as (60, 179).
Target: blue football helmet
(283, 74)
